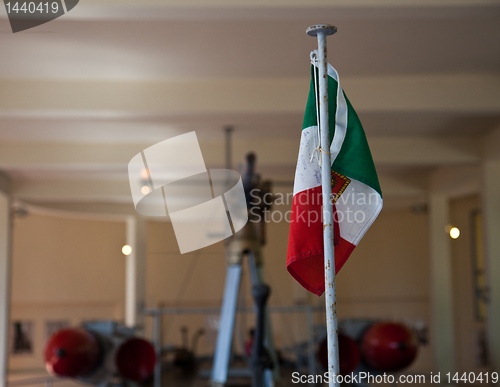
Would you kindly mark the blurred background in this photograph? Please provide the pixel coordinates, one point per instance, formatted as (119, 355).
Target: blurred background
(81, 95)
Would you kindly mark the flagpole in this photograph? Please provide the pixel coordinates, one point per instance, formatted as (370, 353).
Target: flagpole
(322, 31)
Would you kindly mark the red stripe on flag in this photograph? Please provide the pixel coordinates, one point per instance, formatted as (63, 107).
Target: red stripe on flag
(305, 261)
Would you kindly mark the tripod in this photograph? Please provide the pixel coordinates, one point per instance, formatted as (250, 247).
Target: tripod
(243, 244)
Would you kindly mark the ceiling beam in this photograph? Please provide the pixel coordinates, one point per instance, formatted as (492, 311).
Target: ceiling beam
(491, 144)
(118, 191)
(72, 190)
(425, 151)
(272, 152)
(288, 3)
(456, 182)
(419, 93)
(265, 9)
(5, 183)
(104, 211)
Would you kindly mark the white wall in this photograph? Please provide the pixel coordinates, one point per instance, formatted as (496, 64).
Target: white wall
(73, 269)
(64, 269)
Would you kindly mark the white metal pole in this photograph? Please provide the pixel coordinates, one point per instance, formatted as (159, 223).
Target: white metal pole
(5, 277)
(322, 31)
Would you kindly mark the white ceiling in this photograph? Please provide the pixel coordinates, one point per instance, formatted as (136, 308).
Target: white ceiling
(427, 42)
(81, 95)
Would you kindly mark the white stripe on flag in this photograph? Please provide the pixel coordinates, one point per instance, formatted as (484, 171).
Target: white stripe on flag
(357, 208)
(308, 173)
(340, 114)
(340, 117)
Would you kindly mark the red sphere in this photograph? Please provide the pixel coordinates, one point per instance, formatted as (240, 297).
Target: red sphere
(389, 346)
(135, 360)
(71, 353)
(348, 353)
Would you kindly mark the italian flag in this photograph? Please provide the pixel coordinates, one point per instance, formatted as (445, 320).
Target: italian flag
(355, 189)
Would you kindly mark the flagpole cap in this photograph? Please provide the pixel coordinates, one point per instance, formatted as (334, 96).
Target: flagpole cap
(327, 29)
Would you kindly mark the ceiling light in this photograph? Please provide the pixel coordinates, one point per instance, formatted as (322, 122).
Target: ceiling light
(126, 250)
(454, 232)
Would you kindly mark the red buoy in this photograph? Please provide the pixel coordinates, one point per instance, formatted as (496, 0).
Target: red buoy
(349, 355)
(135, 360)
(389, 346)
(71, 353)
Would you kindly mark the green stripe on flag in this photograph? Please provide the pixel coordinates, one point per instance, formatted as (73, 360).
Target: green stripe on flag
(310, 118)
(354, 159)
(310, 114)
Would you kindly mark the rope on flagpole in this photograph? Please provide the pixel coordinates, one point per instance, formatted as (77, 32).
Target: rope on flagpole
(314, 62)
(319, 149)
(322, 31)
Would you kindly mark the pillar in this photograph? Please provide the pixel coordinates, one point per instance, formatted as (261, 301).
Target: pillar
(5, 265)
(443, 332)
(135, 273)
(491, 225)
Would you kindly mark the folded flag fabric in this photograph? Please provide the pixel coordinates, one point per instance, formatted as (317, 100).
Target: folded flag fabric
(356, 193)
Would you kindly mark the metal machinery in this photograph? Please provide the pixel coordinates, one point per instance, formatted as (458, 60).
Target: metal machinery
(102, 353)
(367, 345)
(245, 244)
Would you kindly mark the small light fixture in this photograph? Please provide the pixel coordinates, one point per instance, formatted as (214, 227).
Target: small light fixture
(126, 250)
(454, 232)
(145, 189)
